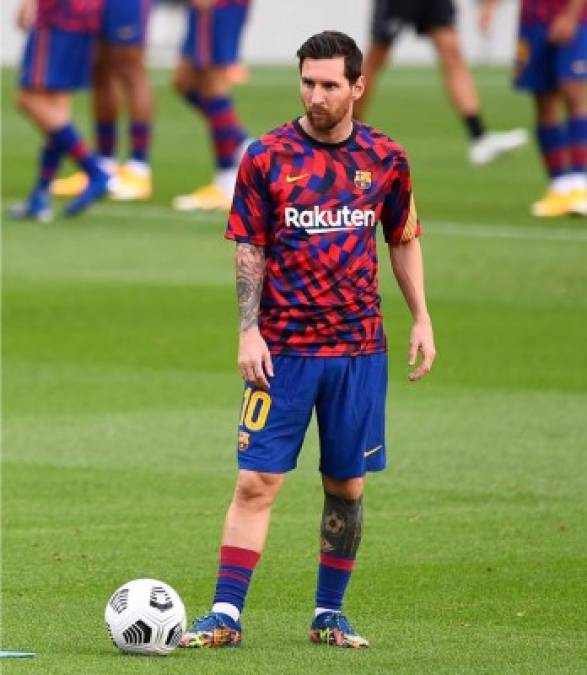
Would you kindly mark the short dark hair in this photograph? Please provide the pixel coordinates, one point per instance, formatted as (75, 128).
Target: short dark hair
(328, 45)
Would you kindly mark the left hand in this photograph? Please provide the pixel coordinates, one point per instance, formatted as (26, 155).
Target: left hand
(421, 341)
(563, 29)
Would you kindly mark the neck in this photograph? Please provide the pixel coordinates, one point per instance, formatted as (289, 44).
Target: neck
(337, 134)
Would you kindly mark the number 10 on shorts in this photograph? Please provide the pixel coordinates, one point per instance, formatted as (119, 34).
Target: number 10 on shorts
(256, 406)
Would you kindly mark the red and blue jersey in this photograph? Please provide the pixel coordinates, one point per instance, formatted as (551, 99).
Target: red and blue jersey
(544, 11)
(73, 16)
(314, 207)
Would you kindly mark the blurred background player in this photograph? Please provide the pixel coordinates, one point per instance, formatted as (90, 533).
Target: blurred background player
(552, 65)
(203, 77)
(57, 62)
(436, 20)
(120, 72)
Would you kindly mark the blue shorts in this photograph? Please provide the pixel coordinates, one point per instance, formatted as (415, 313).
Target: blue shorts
(348, 393)
(57, 60)
(541, 65)
(213, 36)
(125, 22)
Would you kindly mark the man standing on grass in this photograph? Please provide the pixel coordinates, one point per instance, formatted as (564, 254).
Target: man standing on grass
(552, 66)
(307, 199)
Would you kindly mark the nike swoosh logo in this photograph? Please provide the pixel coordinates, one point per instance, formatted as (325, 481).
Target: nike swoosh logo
(292, 179)
(373, 451)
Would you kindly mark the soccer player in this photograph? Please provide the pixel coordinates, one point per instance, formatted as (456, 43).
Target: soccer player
(57, 62)
(203, 78)
(552, 66)
(120, 67)
(307, 200)
(436, 20)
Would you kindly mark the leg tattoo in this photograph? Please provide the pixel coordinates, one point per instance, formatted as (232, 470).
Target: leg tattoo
(342, 526)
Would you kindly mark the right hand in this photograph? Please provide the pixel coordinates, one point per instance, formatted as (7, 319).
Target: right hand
(563, 28)
(27, 13)
(254, 359)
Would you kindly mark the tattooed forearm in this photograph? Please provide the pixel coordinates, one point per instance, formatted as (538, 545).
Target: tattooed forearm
(250, 271)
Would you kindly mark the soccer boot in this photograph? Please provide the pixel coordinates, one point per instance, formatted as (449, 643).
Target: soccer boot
(133, 182)
(208, 198)
(578, 202)
(212, 630)
(70, 186)
(552, 204)
(495, 143)
(37, 206)
(98, 187)
(334, 629)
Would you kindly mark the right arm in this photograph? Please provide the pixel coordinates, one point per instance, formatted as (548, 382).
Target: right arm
(254, 359)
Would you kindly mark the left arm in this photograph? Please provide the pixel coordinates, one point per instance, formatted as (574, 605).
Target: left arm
(408, 268)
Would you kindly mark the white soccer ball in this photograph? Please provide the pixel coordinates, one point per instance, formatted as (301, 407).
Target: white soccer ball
(145, 616)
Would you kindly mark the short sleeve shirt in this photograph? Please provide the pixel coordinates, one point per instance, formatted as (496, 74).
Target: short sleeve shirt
(314, 207)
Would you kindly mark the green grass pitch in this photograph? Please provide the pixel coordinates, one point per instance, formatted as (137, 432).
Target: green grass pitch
(121, 397)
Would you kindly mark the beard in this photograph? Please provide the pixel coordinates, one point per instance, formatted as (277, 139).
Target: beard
(323, 120)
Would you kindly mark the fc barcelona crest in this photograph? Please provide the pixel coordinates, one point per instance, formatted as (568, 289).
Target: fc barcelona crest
(243, 440)
(363, 179)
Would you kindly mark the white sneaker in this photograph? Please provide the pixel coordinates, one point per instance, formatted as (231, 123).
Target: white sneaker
(495, 143)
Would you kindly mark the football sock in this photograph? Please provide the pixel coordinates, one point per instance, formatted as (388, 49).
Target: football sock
(340, 536)
(225, 129)
(68, 141)
(140, 141)
(474, 125)
(334, 574)
(234, 575)
(105, 133)
(553, 143)
(578, 144)
(49, 161)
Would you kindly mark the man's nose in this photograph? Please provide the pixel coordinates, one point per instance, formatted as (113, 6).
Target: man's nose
(317, 96)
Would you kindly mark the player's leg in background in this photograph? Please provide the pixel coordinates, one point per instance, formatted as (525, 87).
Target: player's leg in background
(376, 59)
(210, 48)
(553, 142)
(127, 68)
(243, 540)
(460, 86)
(574, 95)
(106, 105)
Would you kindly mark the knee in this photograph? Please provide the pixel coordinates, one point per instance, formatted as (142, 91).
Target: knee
(257, 491)
(351, 489)
(575, 98)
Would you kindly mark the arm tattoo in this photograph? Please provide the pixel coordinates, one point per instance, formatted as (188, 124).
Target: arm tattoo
(342, 526)
(250, 272)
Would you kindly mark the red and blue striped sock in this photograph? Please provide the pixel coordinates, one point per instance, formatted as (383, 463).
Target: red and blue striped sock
(68, 141)
(49, 161)
(106, 137)
(334, 574)
(225, 128)
(140, 140)
(578, 144)
(234, 575)
(553, 142)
